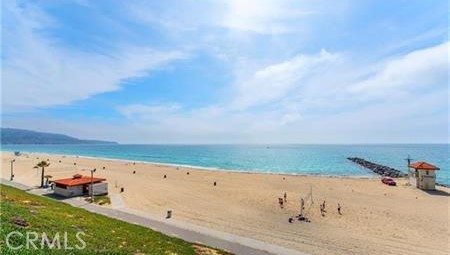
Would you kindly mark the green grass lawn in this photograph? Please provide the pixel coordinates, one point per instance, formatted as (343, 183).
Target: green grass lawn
(103, 235)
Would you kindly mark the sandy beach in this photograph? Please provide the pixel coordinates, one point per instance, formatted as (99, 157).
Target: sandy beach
(376, 219)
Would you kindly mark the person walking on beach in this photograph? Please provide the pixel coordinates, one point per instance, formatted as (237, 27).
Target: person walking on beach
(302, 206)
(322, 208)
(339, 209)
(285, 197)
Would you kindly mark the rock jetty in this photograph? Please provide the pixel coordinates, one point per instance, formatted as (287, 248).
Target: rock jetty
(377, 168)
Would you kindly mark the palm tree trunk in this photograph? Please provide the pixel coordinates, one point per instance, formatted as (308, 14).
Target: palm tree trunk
(42, 177)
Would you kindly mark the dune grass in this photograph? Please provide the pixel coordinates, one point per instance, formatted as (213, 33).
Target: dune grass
(100, 200)
(102, 235)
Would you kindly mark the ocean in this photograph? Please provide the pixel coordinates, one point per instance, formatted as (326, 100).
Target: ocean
(287, 159)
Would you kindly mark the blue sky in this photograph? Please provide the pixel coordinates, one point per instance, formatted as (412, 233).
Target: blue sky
(228, 71)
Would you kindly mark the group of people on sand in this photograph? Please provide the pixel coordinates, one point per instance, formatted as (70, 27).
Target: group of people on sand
(323, 211)
(301, 217)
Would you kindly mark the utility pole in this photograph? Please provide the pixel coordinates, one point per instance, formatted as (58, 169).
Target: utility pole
(92, 185)
(12, 173)
(410, 173)
(409, 160)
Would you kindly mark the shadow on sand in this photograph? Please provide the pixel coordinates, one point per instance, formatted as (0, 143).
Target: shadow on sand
(437, 193)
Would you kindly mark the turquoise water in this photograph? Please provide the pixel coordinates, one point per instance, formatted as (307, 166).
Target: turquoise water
(291, 159)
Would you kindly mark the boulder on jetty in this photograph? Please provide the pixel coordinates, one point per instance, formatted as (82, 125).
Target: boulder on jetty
(377, 168)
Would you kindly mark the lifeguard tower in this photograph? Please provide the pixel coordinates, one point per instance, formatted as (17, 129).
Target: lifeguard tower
(422, 175)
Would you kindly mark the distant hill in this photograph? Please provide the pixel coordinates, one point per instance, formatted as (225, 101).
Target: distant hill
(22, 136)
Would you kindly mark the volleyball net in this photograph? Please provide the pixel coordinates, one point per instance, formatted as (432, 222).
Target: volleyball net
(309, 197)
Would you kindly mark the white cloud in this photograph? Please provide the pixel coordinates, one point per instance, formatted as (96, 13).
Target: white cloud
(276, 96)
(419, 69)
(314, 107)
(143, 111)
(421, 119)
(259, 17)
(265, 16)
(277, 80)
(39, 72)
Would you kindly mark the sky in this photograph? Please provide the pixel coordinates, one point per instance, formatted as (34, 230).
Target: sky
(253, 71)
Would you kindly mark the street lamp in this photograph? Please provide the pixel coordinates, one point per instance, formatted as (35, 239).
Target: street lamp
(92, 184)
(12, 174)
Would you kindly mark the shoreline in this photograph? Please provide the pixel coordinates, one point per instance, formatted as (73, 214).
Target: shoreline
(202, 168)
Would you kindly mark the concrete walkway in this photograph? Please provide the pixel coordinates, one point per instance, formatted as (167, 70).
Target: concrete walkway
(116, 201)
(192, 233)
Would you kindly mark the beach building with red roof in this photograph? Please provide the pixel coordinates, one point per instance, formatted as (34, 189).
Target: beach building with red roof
(79, 185)
(423, 175)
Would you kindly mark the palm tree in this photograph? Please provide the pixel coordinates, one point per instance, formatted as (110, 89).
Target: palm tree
(43, 165)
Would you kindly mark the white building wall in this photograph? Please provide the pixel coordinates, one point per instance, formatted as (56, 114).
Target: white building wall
(69, 191)
(426, 180)
(61, 191)
(99, 188)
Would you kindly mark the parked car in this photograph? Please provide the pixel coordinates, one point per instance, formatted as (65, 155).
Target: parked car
(388, 181)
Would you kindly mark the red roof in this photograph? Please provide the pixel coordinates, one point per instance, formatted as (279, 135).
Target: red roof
(78, 180)
(423, 165)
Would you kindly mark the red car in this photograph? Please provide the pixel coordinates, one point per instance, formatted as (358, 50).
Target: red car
(388, 181)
